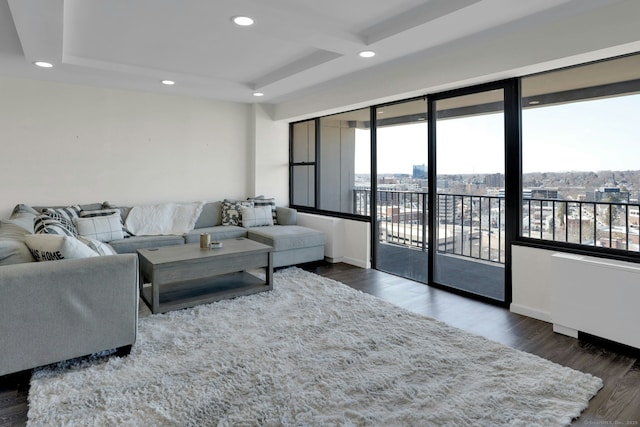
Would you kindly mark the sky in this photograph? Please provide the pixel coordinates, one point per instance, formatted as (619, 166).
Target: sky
(583, 136)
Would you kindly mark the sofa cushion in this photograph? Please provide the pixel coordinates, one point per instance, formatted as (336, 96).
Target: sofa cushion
(53, 223)
(131, 244)
(210, 216)
(286, 215)
(231, 211)
(22, 208)
(219, 232)
(13, 250)
(23, 217)
(286, 237)
(256, 217)
(271, 203)
(103, 228)
(86, 207)
(53, 247)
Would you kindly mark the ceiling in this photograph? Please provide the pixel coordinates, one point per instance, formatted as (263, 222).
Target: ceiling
(294, 47)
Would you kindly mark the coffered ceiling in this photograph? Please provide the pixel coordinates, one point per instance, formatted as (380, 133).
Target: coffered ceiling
(293, 48)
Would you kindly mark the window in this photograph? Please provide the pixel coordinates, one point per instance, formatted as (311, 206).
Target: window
(331, 161)
(574, 181)
(581, 155)
(303, 163)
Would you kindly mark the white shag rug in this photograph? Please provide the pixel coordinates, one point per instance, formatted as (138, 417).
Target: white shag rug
(312, 352)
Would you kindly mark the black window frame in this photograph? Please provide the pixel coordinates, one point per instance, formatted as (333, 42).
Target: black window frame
(513, 102)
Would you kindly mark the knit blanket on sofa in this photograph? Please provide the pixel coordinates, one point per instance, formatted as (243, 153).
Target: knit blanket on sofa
(163, 219)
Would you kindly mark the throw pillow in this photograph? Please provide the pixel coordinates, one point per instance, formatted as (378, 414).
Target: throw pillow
(261, 201)
(124, 211)
(99, 247)
(103, 228)
(256, 217)
(53, 223)
(53, 247)
(68, 213)
(231, 211)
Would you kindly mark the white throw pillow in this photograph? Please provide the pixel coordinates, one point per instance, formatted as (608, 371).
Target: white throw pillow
(103, 228)
(256, 217)
(54, 247)
(100, 247)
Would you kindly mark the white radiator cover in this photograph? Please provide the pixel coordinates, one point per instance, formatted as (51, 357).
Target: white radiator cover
(596, 296)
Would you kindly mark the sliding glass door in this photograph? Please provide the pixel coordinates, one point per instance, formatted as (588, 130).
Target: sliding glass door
(469, 232)
(401, 189)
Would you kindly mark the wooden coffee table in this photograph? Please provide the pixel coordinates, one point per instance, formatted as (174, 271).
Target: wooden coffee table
(185, 275)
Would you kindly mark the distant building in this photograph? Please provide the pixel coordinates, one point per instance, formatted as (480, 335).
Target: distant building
(494, 180)
(540, 193)
(544, 193)
(420, 172)
(608, 194)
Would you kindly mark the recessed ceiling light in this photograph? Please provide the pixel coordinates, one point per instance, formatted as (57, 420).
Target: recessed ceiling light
(534, 102)
(243, 21)
(367, 54)
(43, 64)
(168, 82)
(258, 94)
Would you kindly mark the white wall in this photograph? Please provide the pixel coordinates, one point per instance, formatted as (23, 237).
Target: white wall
(577, 293)
(65, 144)
(347, 241)
(531, 276)
(270, 160)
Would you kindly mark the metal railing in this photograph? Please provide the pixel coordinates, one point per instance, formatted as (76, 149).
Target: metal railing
(473, 226)
(603, 224)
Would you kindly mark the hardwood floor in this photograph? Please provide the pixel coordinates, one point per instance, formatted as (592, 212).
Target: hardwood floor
(617, 403)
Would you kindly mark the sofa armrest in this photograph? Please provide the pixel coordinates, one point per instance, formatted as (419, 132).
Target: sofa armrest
(286, 216)
(58, 310)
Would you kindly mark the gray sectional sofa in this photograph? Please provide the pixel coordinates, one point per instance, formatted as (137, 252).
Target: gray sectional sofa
(57, 310)
(292, 243)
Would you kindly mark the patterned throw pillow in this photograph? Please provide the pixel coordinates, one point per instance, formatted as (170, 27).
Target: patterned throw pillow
(124, 212)
(53, 223)
(104, 228)
(256, 217)
(68, 213)
(231, 211)
(261, 201)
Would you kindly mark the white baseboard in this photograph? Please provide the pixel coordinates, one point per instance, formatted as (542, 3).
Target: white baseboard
(565, 331)
(357, 262)
(351, 261)
(530, 312)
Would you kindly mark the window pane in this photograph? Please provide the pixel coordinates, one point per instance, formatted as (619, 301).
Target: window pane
(580, 151)
(304, 142)
(345, 159)
(303, 186)
(401, 214)
(470, 201)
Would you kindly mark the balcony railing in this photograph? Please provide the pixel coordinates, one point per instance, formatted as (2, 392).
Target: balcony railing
(603, 224)
(473, 226)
